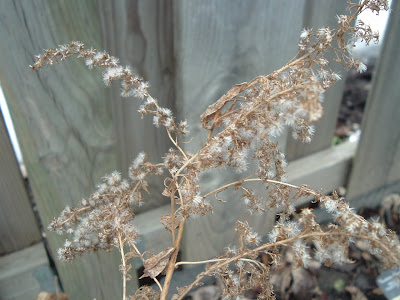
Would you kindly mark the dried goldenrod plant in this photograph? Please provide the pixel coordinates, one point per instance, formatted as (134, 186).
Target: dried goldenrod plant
(242, 126)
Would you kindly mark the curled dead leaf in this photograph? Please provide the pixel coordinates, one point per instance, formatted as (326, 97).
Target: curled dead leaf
(166, 192)
(166, 221)
(215, 109)
(155, 264)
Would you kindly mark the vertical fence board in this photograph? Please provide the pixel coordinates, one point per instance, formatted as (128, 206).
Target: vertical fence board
(18, 227)
(219, 44)
(140, 33)
(318, 14)
(377, 162)
(63, 120)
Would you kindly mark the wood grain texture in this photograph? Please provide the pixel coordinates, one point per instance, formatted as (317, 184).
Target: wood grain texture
(377, 163)
(140, 34)
(18, 225)
(63, 121)
(319, 14)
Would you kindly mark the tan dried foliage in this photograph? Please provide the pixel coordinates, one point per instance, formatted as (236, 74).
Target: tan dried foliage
(250, 116)
(155, 264)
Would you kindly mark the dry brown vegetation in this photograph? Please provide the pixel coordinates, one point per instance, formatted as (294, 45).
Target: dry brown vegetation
(242, 126)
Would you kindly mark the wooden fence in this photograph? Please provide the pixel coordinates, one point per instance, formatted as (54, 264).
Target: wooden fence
(72, 130)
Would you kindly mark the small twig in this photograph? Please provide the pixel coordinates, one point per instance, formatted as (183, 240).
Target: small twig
(250, 180)
(187, 163)
(198, 262)
(173, 214)
(121, 248)
(180, 193)
(171, 265)
(176, 144)
(158, 283)
(212, 260)
(73, 215)
(138, 252)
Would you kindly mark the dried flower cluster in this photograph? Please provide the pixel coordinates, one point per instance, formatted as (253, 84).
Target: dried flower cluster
(242, 126)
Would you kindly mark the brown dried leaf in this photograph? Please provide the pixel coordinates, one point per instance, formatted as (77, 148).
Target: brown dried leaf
(166, 192)
(166, 221)
(215, 108)
(131, 254)
(156, 263)
(145, 186)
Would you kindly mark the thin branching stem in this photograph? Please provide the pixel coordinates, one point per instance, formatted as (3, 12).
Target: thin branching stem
(187, 163)
(252, 180)
(74, 214)
(176, 144)
(138, 252)
(172, 198)
(172, 261)
(200, 262)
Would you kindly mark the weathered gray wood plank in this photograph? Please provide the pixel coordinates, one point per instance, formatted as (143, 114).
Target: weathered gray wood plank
(325, 170)
(24, 273)
(318, 14)
(63, 120)
(220, 44)
(377, 162)
(18, 226)
(140, 34)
